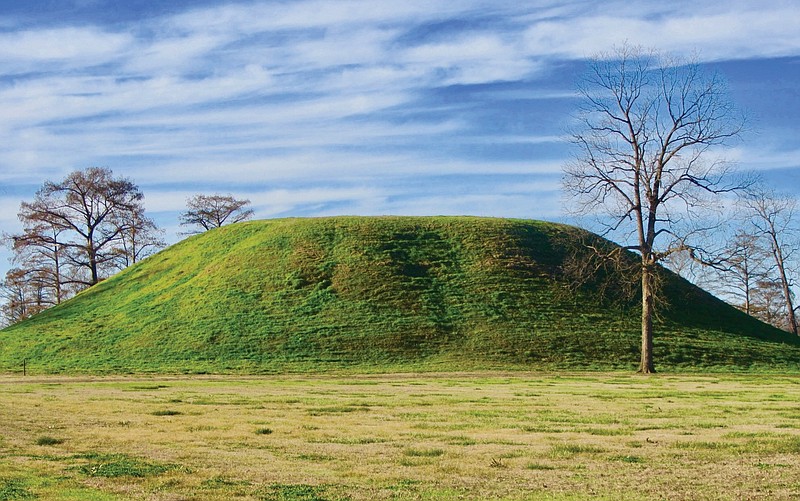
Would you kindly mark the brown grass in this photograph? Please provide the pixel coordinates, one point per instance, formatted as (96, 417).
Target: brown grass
(404, 436)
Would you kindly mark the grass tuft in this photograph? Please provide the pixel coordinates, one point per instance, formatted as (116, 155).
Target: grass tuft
(166, 412)
(293, 492)
(569, 450)
(539, 466)
(423, 453)
(47, 440)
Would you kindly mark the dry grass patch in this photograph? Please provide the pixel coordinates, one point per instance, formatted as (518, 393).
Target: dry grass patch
(431, 436)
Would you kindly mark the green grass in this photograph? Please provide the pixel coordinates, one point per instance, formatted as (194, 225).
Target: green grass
(301, 492)
(121, 465)
(375, 294)
(48, 440)
(423, 453)
(14, 489)
(167, 412)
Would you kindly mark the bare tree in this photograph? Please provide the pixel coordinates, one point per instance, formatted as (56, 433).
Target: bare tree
(24, 294)
(75, 233)
(139, 238)
(768, 303)
(643, 165)
(744, 271)
(773, 220)
(92, 209)
(39, 252)
(212, 211)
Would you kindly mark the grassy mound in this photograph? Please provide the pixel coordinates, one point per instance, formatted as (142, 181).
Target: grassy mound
(377, 293)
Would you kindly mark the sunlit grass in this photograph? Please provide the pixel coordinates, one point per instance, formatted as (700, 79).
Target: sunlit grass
(379, 294)
(400, 436)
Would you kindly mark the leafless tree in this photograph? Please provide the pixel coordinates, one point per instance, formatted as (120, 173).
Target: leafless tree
(75, 233)
(772, 216)
(92, 209)
(768, 303)
(205, 212)
(744, 270)
(24, 293)
(139, 238)
(39, 255)
(643, 165)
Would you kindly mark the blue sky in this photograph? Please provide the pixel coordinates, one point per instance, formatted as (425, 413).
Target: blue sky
(322, 107)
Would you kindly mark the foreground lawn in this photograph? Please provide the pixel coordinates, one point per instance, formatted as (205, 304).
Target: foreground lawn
(401, 436)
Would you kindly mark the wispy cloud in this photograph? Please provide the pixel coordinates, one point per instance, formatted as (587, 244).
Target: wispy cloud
(738, 30)
(60, 48)
(291, 98)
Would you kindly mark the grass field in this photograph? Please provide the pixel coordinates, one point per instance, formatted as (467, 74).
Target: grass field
(401, 436)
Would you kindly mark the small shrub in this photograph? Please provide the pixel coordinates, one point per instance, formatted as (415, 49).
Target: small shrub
(264, 431)
(45, 440)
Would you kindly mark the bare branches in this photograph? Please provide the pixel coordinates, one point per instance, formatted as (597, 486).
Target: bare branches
(773, 220)
(644, 132)
(76, 231)
(645, 128)
(212, 211)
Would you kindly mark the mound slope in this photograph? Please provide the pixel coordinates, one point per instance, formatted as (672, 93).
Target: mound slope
(377, 293)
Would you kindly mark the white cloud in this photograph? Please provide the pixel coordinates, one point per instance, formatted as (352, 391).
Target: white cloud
(259, 17)
(9, 206)
(739, 33)
(471, 59)
(763, 157)
(172, 55)
(72, 45)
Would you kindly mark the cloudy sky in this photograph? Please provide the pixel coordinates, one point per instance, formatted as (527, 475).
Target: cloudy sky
(321, 107)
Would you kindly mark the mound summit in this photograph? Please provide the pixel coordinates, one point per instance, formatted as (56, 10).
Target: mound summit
(374, 294)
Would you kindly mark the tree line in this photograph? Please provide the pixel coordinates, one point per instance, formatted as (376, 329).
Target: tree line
(761, 264)
(78, 231)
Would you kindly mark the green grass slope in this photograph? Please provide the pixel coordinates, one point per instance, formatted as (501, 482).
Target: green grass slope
(376, 293)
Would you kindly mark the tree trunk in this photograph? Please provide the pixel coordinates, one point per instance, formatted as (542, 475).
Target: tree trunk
(787, 295)
(93, 266)
(646, 364)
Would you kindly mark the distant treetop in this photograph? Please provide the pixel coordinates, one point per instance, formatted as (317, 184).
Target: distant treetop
(205, 212)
